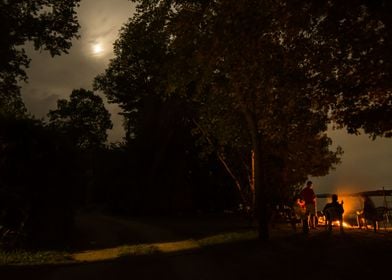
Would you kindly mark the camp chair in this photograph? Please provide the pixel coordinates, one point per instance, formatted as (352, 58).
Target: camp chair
(332, 214)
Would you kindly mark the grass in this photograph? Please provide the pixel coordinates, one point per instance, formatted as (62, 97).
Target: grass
(178, 247)
(55, 257)
(228, 237)
(137, 250)
(20, 257)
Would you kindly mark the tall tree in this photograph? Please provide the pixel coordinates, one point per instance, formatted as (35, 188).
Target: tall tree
(133, 78)
(83, 118)
(287, 68)
(158, 136)
(49, 24)
(270, 76)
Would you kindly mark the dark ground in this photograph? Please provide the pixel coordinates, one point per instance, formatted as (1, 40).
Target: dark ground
(356, 254)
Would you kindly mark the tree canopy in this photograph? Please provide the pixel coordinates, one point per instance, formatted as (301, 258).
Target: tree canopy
(83, 118)
(290, 71)
(264, 76)
(48, 24)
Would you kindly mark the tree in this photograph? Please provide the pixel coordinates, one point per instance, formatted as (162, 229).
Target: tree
(269, 76)
(49, 24)
(158, 138)
(261, 59)
(133, 78)
(243, 86)
(350, 63)
(84, 118)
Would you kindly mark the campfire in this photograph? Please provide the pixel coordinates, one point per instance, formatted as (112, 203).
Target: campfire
(321, 221)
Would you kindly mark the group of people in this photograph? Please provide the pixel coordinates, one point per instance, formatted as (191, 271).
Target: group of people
(305, 210)
(305, 207)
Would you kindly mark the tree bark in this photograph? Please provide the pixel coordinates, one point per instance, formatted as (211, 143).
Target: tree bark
(261, 202)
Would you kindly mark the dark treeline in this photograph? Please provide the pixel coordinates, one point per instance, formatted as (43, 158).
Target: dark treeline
(46, 179)
(224, 103)
(38, 185)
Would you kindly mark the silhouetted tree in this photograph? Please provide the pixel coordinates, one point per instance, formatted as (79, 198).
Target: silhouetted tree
(48, 24)
(134, 79)
(283, 68)
(37, 177)
(83, 118)
(158, 135)
(180, 58)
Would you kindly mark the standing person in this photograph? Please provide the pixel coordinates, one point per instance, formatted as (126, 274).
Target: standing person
(309, 196)
(369, 211)
(299, 214)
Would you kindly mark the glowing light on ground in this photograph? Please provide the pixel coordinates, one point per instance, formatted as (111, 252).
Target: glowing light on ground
(346, 225)
(321, 221)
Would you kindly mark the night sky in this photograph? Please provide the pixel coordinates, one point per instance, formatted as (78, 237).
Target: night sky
(54, 78)
(366, 165)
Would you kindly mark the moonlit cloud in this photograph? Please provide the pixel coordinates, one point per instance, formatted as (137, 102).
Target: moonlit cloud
(54, 78)
(101, 21)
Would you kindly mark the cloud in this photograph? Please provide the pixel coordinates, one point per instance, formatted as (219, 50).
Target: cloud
(366, 164)
(40, 103)
(51, 78)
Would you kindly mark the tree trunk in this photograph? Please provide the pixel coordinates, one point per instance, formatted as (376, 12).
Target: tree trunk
(261, 202)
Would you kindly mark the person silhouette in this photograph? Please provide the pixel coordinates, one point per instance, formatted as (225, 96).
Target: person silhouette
(369, 211)
(334, 211)
(309, 197)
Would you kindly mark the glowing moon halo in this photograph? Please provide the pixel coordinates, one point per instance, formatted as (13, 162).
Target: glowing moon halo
(97, 49)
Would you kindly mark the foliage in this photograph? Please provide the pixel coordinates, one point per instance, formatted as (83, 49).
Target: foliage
(271, 79)
(333, 54)
(225, 78)
(348, 63)
(163, 157)
(133, 78)
(83, 118)
(49, 24)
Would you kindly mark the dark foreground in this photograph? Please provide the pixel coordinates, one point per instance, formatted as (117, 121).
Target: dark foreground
(356, 254)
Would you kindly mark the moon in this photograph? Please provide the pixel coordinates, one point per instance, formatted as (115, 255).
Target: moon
(97, 49)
